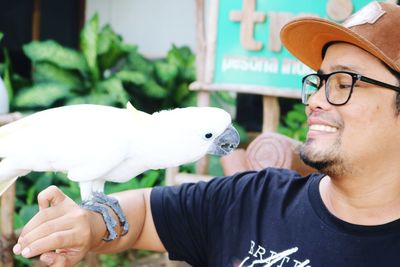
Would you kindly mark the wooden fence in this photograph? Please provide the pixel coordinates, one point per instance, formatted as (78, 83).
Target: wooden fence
(7, 201)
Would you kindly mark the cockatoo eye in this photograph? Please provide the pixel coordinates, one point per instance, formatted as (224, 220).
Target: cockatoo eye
(208, 135)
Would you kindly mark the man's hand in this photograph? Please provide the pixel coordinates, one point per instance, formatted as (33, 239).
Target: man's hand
(61, 232)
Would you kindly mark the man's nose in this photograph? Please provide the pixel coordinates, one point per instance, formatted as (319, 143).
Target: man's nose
(318, 100)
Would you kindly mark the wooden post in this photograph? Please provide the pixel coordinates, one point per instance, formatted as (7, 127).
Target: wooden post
(7, 206)
(200, 41)
(170, 175)
(36, 20)
(203, 100)
(7, 238)
(270, 114)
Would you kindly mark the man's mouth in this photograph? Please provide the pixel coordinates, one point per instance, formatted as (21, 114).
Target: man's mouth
(323, 128)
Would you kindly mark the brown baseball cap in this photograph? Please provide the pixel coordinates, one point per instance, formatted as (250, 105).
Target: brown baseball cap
(374, 28)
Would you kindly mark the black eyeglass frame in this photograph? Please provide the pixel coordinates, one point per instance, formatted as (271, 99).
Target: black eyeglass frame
(355, 77)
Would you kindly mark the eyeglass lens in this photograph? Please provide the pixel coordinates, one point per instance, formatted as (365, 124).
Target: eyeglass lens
(337, 89)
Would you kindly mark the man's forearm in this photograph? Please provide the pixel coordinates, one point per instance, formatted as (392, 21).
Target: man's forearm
(142, 234)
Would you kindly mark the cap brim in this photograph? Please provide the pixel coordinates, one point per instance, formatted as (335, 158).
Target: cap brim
(306, 37)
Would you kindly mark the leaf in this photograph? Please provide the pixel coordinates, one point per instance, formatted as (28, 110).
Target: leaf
(166, 72)
(182, 92)
(51, 51)
(226, 97)
(76, 100)
(190, 100)
(44, 181)
(72, 190)
(19, 81)
(18, 223)
(30, 195)
(115, 90)
(152, 89)
(131, 76)
(47, 72)
(7, 75)
(105, 39)
(149, 178)
(139, 63)
(299, 107)
(88, 45)
(100, 99)
(111, 48)
(214, 167)
(184, 59)
(23, 260)
(1, 36)
(116, 187)
(180, 56)
(40, 95)
(27, 212)
(188, 73)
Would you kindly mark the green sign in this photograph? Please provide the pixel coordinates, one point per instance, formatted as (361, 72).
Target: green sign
(247, 52)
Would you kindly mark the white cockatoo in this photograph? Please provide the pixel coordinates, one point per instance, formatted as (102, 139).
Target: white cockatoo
(94, 144)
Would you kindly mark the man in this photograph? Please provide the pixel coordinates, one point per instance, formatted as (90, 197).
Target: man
(347, 216)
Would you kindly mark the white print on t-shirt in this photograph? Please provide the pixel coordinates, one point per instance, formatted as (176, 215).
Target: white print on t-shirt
(258, 258)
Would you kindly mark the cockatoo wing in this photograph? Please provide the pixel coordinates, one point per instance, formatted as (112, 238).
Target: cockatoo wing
(87, 141)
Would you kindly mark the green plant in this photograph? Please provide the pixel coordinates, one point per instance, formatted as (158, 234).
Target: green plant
(165, 82)
(294, 124)
(11, 79)
(63, 76)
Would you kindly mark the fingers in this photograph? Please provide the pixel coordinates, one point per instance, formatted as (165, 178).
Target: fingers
(50, 196)
(59, 224)
(58, 240)
(69, 232)
(61, 233)
(60, 259)
(61, 203)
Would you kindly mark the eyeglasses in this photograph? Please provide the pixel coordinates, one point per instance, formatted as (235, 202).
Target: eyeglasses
(338, 86)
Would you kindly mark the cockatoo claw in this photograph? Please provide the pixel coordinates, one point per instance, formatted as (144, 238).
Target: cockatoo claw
(108, 219)
(114, 205)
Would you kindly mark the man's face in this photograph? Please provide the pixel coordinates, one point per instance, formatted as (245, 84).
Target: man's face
(343, 139)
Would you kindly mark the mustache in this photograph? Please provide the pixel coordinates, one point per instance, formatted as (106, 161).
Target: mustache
(328, 117)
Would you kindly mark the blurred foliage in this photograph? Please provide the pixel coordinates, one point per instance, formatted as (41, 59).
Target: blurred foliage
(64, 76)
(105, 71)
(294, 124)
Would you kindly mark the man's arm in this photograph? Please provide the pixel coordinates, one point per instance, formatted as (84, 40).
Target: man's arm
(63, 233)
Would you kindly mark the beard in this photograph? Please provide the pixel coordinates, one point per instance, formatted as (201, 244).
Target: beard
(330, 161)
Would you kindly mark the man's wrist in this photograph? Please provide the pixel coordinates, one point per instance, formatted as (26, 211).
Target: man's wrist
(99, 230)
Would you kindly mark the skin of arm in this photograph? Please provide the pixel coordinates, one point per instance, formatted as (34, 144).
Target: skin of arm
(63, 233)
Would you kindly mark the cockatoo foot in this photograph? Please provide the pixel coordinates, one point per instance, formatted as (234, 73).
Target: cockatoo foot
(114, 205)
(108, 219)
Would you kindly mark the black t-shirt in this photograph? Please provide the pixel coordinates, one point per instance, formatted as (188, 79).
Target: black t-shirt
(269, 218)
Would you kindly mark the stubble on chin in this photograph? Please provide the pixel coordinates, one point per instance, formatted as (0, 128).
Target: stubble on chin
(329, 161)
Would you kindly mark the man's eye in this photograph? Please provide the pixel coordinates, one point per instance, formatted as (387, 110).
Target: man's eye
(344, 86)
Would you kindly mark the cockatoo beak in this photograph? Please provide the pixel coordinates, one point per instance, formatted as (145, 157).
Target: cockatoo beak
(225, 142)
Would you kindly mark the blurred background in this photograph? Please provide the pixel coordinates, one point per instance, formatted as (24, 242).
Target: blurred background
(109, 52)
